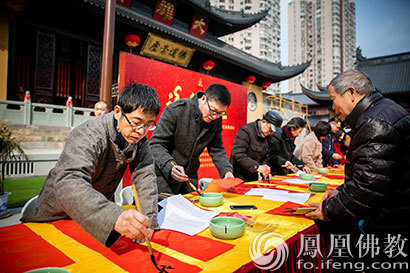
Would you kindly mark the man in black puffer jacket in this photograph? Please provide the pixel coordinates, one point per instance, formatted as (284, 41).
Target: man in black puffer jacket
(377, 172)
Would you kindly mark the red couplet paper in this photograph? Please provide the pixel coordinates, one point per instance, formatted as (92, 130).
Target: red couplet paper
(130, 256)
(287, 208)
(227, 183)
(334, 176)
(201, 248)
(244, 188)
(21, 250)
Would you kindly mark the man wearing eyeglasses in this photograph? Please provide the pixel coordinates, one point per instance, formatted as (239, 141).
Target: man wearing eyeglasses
(250, 149)
(90, 167)
(184, 130)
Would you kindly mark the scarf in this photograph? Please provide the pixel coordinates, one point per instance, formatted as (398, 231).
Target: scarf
(289, 135)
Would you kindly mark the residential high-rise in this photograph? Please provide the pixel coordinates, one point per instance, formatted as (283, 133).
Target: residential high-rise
(262, 39)
(323, 31)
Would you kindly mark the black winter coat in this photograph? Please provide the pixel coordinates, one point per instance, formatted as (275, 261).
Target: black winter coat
(377, 171)
(181, 136)
(249, 150)
(281, 150)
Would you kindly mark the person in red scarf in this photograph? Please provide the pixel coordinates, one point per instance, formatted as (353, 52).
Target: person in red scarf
(340, 147)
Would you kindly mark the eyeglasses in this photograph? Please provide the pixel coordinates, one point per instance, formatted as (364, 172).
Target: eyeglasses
(136, 126)
(213, 112)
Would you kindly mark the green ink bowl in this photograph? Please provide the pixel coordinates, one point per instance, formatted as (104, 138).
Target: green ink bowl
(225, 227)
(317, 187)
(306, 176)
(322, 170)
(211, 199)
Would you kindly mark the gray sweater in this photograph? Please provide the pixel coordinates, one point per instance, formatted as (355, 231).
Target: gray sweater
(181, 136)
(86, 176)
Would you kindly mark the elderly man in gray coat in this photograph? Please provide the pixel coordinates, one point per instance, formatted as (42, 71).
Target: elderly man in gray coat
(94, 159)
(185, 129)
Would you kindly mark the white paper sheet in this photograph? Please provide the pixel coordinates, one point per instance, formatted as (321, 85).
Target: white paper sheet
(279, 195)
(316, 176)
(297, 181)
(181, 215)
(262, 191)
(299, 198)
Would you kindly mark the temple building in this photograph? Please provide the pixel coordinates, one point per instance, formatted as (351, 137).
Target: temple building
(389, 74)
(54, 48)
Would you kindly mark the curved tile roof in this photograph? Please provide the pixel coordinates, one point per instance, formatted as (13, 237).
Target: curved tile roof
(319, 97)
(299, 97)
(322, 88)
(273, 72)
(389, 74)
(228, 21)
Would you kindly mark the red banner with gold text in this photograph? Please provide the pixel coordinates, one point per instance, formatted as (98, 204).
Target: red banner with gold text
(173, 83)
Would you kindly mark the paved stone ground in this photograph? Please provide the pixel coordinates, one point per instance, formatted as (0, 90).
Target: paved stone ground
(14, 219)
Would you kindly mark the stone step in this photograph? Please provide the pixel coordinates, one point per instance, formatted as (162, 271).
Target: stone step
(34, 130)
(43, 145)
(40, 137)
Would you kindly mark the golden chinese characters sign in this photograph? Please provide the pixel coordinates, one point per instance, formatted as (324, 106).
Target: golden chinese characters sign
(166, 50)
(199, 25)
(165, 11)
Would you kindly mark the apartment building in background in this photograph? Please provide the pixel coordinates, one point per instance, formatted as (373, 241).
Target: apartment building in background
(323, 31)
(262, 39)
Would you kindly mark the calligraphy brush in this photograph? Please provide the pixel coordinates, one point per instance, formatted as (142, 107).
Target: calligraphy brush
(189, 182)
(137, 203)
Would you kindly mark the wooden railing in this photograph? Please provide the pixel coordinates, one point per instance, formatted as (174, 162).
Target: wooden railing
(288, 108)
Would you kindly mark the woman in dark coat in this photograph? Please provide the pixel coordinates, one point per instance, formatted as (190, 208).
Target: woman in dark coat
(282, 145)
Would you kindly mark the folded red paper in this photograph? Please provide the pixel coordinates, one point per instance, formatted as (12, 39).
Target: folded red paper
(288, 208)
(334, 176)
(21, 250)
(201, 248)
(131, 257)
(244, 188)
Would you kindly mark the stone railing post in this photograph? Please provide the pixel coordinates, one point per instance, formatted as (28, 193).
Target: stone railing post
(27, 109)
(70, 112)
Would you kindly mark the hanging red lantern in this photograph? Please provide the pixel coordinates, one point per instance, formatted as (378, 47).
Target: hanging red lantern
(265, 85)
(132, 41)
(250, 79)
(208, 65)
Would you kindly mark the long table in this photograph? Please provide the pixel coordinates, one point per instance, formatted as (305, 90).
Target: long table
(65, 244)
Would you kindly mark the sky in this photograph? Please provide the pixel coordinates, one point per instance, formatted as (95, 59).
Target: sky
(382, 28)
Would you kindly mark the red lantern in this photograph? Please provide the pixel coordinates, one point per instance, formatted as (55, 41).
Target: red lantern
(208, 65)
(250, 79)
(132, 41)
(265, 85)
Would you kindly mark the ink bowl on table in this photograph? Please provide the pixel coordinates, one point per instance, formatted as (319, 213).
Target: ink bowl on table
(322, 170)
(211, 199)
(225, 227)
(317, 187)
(306, 176)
